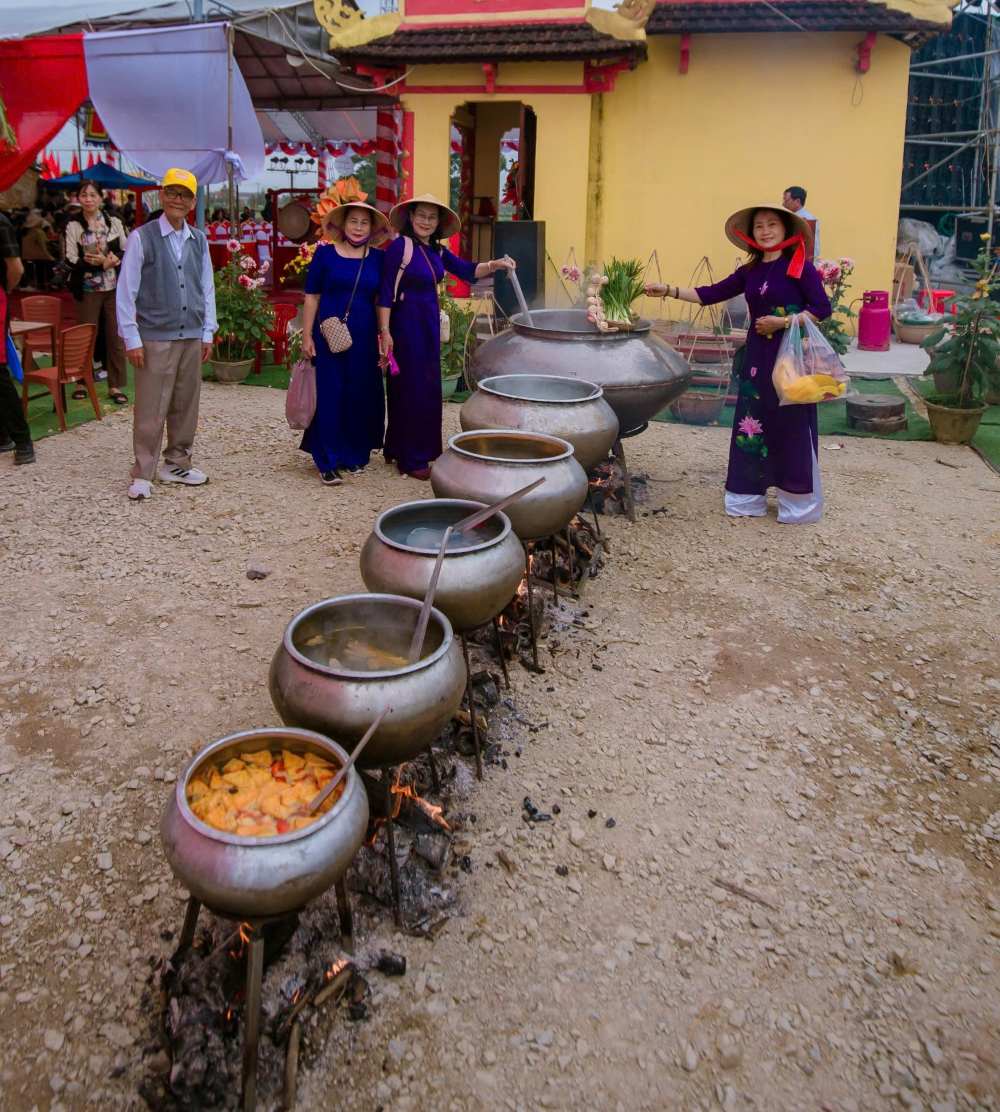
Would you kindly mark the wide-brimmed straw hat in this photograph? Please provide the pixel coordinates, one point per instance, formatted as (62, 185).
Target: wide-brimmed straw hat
(333, 222)
(742, 221)
(448, 226)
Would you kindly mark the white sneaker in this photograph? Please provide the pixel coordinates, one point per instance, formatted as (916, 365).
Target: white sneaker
(100, 374)
(191, 476)
(140, 489)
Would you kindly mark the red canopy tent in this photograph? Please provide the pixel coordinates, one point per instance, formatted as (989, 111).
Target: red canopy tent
(43, 82)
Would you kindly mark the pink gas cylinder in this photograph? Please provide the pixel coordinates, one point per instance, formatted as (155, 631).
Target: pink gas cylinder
(874, 321)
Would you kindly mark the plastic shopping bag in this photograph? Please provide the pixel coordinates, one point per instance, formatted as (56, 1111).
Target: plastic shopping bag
(807, 369)
(13, 361)
(300, 401)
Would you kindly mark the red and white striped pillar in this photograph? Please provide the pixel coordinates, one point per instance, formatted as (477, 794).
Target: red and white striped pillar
(321, 170)
(386, 158)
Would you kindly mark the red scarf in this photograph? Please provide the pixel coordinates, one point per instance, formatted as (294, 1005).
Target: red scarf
(796, 241)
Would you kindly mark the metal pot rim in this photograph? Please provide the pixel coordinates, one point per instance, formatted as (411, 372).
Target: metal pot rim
(515, 434)
(588, 334)
(344, 673)
(487, 385)
(465, 502)
(284, 732)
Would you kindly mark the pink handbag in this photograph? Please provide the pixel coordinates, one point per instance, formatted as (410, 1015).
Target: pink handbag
(300, 401)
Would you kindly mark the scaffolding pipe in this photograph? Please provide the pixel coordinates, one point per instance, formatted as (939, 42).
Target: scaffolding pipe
(956, 58)
(941, 162)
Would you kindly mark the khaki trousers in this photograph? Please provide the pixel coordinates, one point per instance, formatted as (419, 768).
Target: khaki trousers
(100, 303)
(167, 390)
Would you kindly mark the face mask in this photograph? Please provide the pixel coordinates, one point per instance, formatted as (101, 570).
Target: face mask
(356, 240)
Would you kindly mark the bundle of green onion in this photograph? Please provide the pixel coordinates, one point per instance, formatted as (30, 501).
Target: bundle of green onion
(624, 284)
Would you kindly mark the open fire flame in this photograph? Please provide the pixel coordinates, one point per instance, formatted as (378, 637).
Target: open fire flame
(434, 813)
(244, 936)
(338, 966)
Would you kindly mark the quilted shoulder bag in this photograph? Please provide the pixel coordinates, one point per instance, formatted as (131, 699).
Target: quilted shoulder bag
(334, 330)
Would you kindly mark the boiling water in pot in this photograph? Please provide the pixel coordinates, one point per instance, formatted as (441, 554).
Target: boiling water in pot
(431, 536)
(356, 648)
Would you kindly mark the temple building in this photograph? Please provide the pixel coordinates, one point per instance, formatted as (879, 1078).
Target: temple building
(640, 129)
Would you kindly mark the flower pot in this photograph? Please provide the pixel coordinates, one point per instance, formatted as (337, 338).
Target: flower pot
(913, 333)
(697, 408)
(946, 382)
(954, 426)
(449, 386)
(223, 370)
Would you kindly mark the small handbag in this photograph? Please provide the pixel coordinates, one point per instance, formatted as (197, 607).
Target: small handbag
(333, 329)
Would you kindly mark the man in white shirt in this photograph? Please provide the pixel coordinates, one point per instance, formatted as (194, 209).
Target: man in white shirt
(794, 200)
(166, 318)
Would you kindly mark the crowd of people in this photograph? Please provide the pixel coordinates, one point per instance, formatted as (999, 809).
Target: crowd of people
(372, 327)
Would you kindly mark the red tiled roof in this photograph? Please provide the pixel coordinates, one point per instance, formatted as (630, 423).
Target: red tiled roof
(536, 42)
(720, 16)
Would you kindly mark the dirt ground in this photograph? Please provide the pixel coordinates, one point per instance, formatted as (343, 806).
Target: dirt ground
(809, 716)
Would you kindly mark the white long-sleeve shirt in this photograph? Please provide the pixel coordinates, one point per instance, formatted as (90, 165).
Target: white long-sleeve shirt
(131, 273)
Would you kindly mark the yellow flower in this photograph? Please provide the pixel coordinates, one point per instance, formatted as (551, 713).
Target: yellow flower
(985, 236)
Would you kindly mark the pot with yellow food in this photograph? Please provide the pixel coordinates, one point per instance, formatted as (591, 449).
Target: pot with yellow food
(237, 830)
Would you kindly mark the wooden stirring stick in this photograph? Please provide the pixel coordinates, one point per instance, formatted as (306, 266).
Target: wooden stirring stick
(425, 611)
(480, 516)
(319, 799)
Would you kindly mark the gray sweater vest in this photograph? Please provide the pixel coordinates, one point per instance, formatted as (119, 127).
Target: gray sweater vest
(170, 304)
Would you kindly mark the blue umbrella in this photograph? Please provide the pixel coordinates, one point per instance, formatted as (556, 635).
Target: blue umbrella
(104, 175)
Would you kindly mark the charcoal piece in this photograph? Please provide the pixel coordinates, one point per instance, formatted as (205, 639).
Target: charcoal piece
(610, 823)
(392, 965)
(562, 870)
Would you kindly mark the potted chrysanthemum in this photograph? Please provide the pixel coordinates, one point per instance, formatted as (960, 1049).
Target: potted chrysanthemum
(243, 312)
(964, 353)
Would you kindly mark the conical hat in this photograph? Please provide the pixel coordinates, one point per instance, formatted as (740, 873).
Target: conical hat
(449, 225)
(742, 221)
(333, 222)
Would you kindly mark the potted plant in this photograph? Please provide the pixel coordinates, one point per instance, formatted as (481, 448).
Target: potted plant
(967, 350)
(835, 328)
(243, 313)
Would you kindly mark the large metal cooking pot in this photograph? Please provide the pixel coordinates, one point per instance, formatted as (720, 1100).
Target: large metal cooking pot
(251, 878)
(489, 464)
(336, 700)
(566, 407)
(637, 371)
(477, 580)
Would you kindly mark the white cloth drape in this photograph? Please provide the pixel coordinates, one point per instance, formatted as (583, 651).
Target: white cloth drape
(162, 96)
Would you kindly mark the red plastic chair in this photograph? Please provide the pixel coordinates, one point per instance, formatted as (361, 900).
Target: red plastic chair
(283, 317)
(75, 364)
(45, 310)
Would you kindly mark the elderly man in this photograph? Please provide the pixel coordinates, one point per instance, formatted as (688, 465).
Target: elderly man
(166, 317)
(794, 199)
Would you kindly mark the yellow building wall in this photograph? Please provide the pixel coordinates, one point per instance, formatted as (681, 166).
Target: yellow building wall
(753, 115)
(561, 149)
(664, 158)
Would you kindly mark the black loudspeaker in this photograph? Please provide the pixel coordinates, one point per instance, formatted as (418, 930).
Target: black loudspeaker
(524, 241)
(968, 233)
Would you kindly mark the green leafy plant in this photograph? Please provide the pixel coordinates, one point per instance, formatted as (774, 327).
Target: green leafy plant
(241, 306)
(836, 327)
(623, 284)
(967, 347)
(454, 349)
(293, 350)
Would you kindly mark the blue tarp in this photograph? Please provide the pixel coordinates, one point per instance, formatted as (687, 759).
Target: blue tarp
(105, 175)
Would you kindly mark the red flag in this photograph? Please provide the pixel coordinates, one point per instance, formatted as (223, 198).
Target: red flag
(75, 165)
(90, 159)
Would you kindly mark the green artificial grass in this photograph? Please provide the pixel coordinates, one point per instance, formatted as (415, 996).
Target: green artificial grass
(832, 415)
(42, 419)
(833, 419)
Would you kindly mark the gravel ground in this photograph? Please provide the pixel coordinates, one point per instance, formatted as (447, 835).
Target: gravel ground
(809, 716)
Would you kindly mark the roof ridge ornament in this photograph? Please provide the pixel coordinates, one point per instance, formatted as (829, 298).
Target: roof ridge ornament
(347, 26)
(627, 22)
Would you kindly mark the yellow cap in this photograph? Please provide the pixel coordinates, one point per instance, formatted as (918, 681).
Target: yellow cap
(177, 176)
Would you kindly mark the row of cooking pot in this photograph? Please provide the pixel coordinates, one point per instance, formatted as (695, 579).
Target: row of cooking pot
(321, 694)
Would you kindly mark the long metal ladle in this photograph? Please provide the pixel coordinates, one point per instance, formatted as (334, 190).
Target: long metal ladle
(519, 294)
(319, 799)
(425, 611)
